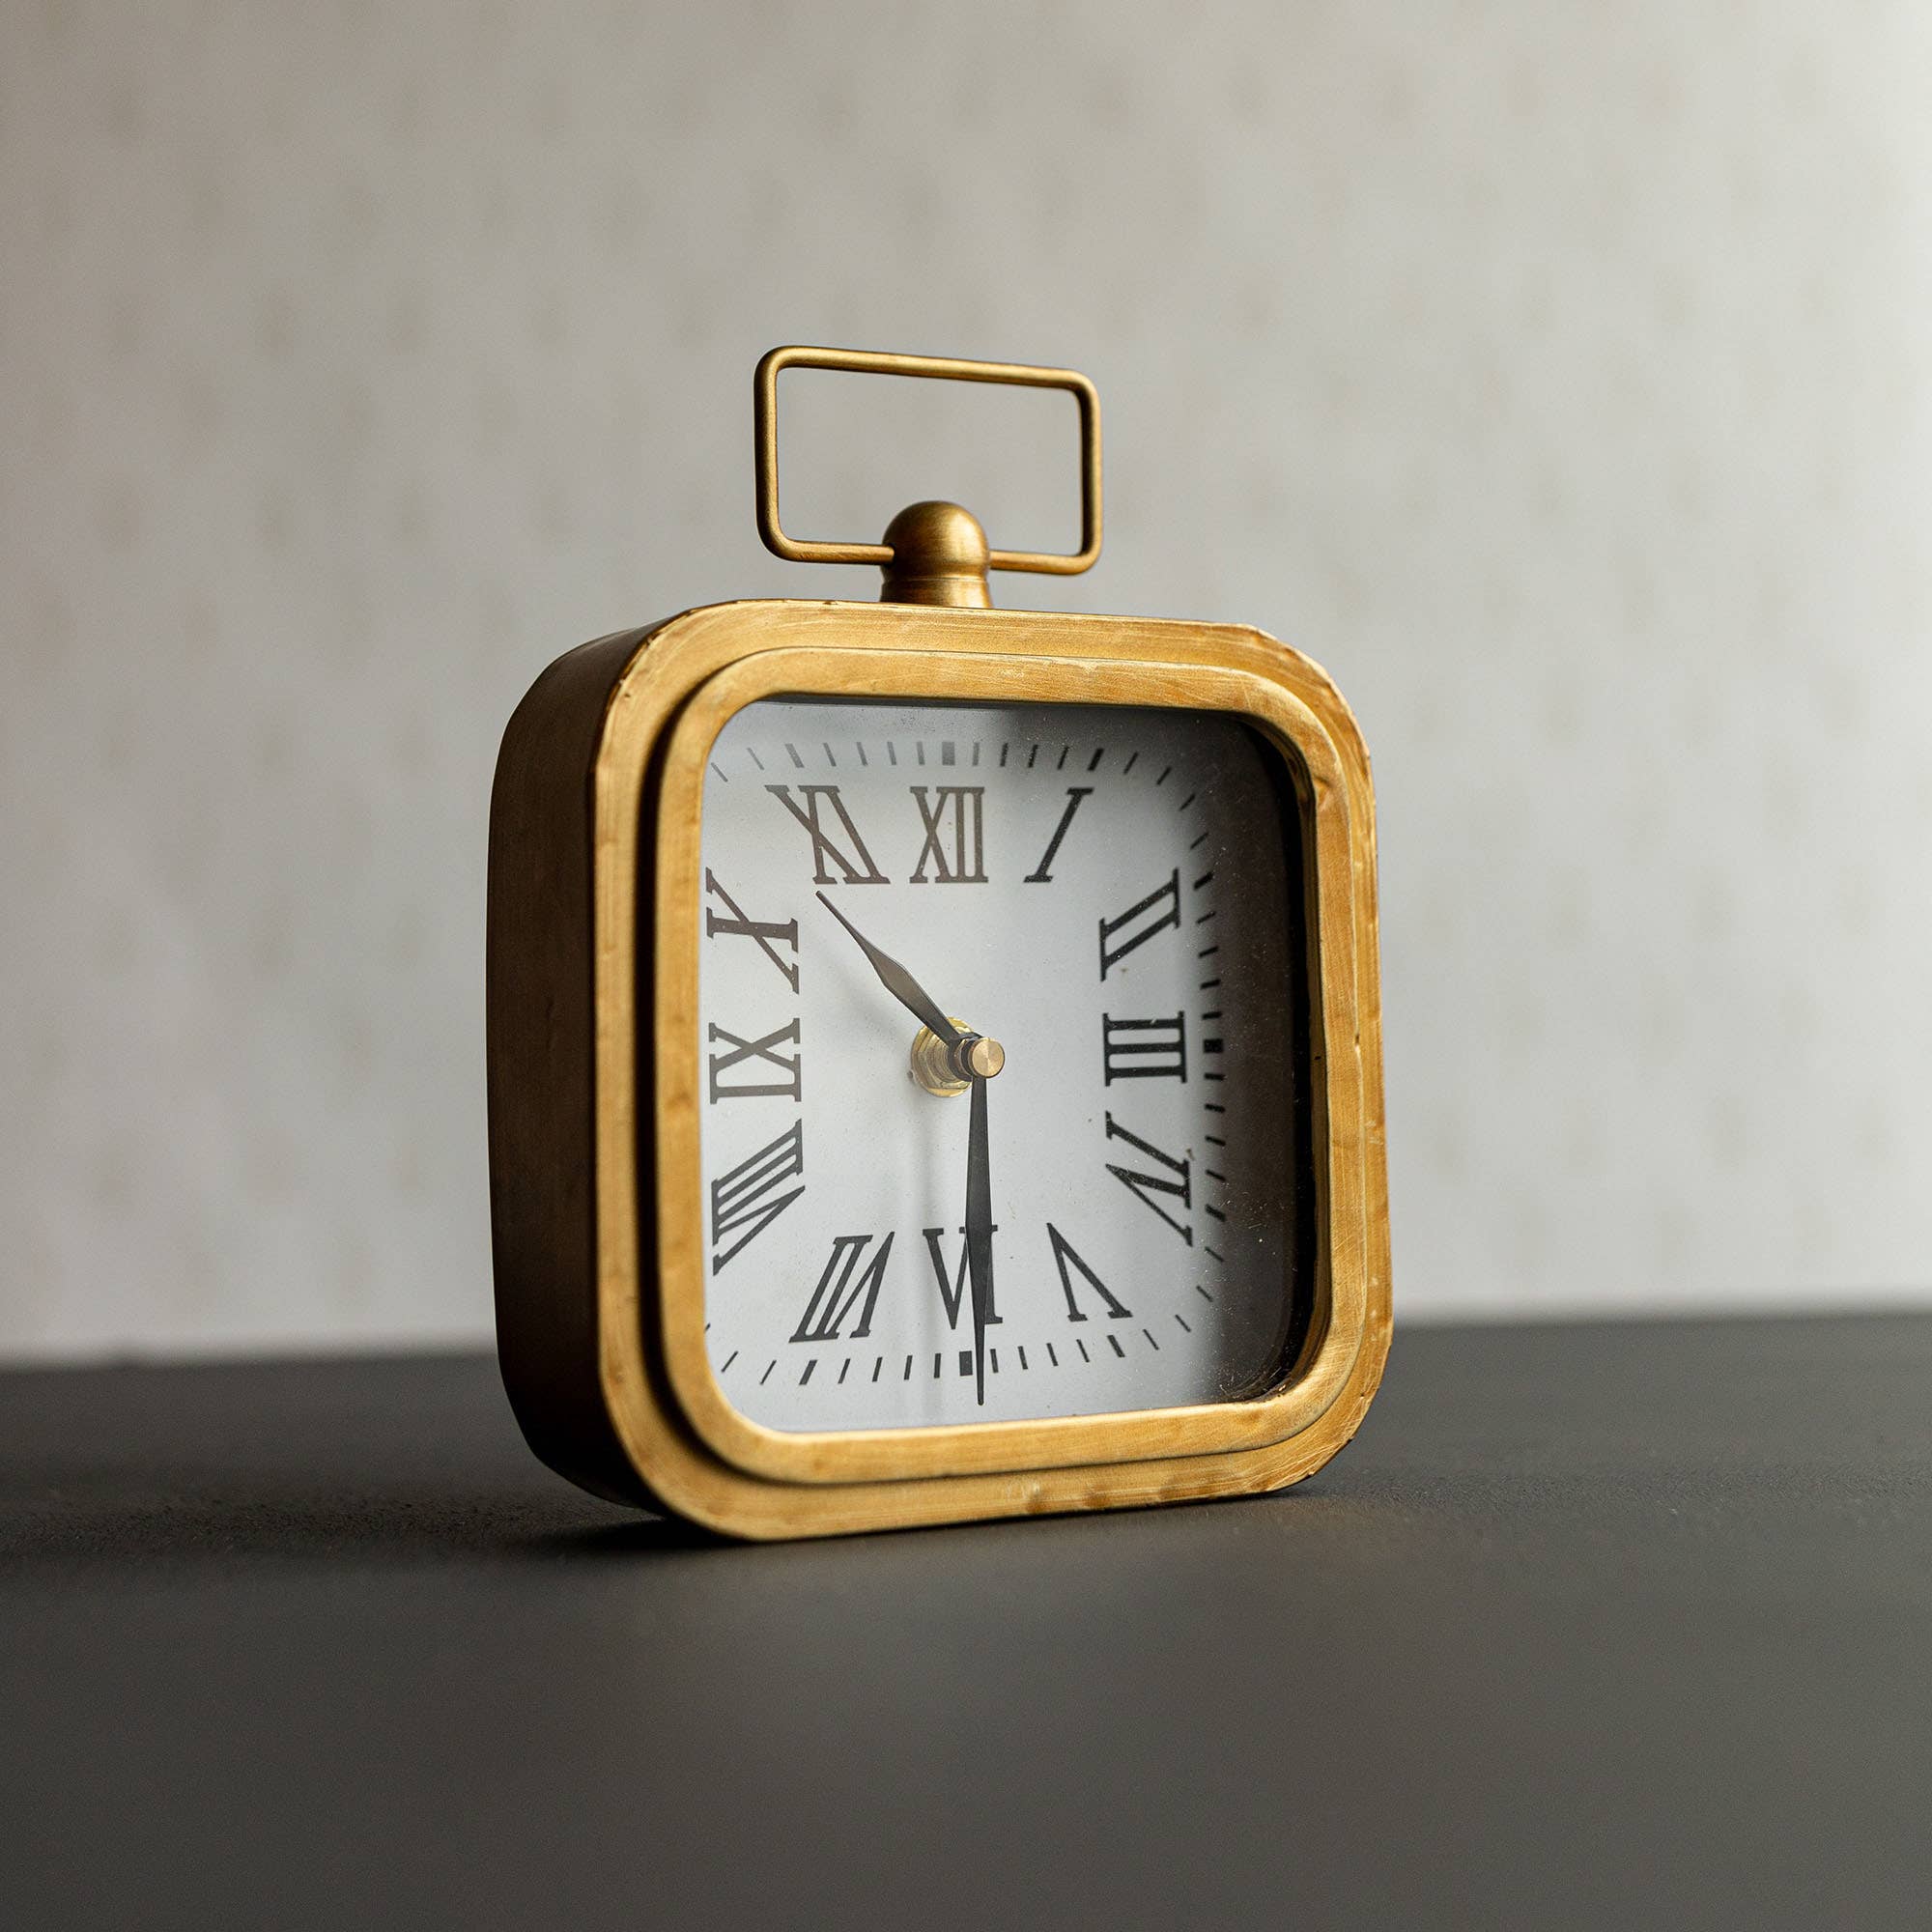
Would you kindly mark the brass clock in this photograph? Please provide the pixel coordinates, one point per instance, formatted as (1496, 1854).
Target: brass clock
(935, 1051)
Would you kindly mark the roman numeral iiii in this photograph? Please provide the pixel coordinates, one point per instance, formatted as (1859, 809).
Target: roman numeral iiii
(1146, 1186)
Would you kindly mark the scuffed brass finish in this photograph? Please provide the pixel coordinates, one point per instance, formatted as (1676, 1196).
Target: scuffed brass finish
(945, 368)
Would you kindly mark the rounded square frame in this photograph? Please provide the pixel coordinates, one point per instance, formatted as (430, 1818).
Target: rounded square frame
(660, 1406)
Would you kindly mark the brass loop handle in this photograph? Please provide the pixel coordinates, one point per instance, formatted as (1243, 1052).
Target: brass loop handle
(945, 368)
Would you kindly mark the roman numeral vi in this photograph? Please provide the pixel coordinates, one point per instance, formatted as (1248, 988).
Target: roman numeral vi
(952, 1293)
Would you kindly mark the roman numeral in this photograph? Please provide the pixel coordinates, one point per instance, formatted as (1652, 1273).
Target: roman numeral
(764, 931)
(1147, 1185)
(746, 1196)
(1142, 1049)
(953, 1292)
(840, 1288)
(822, 847)
(1042, 873)
(1063, 1253)
(1161, 909)
(968, 863)
(793, 1089)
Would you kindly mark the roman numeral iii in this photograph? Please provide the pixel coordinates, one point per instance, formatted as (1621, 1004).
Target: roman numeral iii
(858, 871)
(1063, 1254)
(847, 1276)
(1161, 909)
(952, 1293)
(1147, 1185)
(792, 1066)
(769, 934)
(1142, 1049)
(959, 809)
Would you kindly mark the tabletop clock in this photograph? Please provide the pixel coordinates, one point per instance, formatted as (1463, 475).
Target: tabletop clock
(935, 1051)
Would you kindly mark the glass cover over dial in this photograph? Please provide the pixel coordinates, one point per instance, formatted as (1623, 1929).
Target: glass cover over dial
(1085, 1188)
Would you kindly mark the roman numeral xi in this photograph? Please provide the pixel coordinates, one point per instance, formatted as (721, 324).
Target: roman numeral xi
(856, 869)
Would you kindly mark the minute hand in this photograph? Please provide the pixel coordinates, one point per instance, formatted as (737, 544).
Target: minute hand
(898, 982)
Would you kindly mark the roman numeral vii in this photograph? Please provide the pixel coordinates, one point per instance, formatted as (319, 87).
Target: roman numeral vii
(847, 1276)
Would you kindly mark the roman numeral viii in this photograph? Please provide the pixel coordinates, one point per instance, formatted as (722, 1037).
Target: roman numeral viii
(1147, 1185)
(1161, 909)
(792, 1066)
(748, 1196)
(961, 806)
(1142, 1049)
(952, 1293)
(858, 871)
(768, 933)
(847, 1276)
(1063, 1253)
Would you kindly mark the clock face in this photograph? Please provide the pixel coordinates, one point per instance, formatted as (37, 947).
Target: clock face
(1115, 897)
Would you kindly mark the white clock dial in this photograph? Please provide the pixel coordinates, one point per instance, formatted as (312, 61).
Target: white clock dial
(1112, 894)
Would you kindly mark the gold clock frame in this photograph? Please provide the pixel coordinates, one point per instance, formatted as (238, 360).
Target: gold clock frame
(597, 1209)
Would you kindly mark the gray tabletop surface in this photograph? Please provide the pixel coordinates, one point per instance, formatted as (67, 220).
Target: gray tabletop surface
(1592, 1626)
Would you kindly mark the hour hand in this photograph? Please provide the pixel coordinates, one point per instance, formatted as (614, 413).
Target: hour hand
(897, 981)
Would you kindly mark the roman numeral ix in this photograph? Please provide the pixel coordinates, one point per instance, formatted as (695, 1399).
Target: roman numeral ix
(769, 934)
(964, 806)
(1161, 909)
(1063, 1253)
(859, 872)
(748, 1196)
(847, 1276)
(1147, 1185)
(793, 1065)
(1142, 1049)
(952, 1293)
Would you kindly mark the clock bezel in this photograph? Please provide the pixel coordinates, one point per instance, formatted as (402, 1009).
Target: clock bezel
(924, 674)
(583, 1356)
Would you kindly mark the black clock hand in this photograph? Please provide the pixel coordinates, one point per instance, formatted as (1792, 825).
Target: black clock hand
(897, 981)
(978, 1229)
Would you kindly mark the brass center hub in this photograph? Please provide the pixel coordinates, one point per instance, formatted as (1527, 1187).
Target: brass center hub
(948, 1068)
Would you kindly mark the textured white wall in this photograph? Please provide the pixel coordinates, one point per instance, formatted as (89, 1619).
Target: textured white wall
(1560, 377)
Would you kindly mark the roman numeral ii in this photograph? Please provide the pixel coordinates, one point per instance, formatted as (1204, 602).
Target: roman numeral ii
(1161, 909)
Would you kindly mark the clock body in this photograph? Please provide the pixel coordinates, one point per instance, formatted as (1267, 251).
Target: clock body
(730, 1174)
